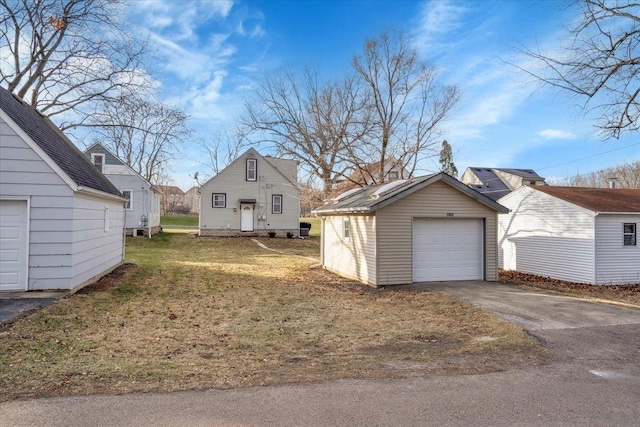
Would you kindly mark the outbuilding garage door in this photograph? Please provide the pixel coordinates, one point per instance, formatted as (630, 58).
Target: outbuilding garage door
(447, 249)
(14, 254)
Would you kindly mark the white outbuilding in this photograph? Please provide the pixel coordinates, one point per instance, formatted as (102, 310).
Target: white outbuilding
(61, 220)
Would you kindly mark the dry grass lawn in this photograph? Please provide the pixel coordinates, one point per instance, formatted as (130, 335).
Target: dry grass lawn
(220, 313)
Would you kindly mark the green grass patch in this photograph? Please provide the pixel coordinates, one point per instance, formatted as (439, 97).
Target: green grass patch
(169, 221)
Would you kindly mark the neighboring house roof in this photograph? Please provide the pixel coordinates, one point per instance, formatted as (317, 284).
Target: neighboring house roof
(171, 189)
(492, 185)
(363, 176)
(601, 200)
(524, 173)
(372, 198)
(119, 167)
(55, 144)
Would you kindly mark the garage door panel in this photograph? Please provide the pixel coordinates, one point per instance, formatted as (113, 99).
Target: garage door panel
(14, 254)
(447, 249)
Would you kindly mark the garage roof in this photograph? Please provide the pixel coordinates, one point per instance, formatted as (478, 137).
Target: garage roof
(55, 144)
(374, 197)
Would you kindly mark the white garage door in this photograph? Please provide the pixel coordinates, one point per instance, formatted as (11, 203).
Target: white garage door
(447, 249)
(14, 254)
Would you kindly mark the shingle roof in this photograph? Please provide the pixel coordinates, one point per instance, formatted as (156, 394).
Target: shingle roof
(55, 144)
(171, 189)
(492, 186)
(371, 198)
(601, 200)
(524, 173)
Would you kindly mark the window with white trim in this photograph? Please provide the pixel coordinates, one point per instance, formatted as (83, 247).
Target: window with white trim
(128, 194)
(629, 233)
(346, 229)
(98, 160)
(219, 200)
(276, 204)
(252, 170)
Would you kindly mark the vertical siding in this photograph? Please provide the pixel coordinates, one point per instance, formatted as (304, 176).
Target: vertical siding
(616, 263)
(232, 181)
(355, 258)
(547, 236)
(395, 229)
(94, 249)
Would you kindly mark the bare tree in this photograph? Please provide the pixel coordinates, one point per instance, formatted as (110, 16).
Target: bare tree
(146, 135)
(602, 63)
(67, 57)
(446, 160)
(405, 103)
(222, 148)
(626, 175)
(310, 121)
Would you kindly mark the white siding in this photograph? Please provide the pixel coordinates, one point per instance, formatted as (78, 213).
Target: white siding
(616, 263)
(62, 224)
(547, 236)
(232, 182)
(394, 231)
(356, 257)
(143, 200)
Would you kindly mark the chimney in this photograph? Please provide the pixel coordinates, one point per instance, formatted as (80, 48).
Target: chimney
(613, 182)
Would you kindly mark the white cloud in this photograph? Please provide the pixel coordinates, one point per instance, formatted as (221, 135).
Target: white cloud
(556, 134)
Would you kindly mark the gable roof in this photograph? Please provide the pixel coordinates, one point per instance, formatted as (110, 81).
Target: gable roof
(55, 144)
(601, 200)
(492, 185)
(374, 197)
(171, 189)
(254, 152)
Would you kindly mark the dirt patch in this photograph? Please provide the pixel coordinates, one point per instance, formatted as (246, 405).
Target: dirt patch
(625, 294)
(110, 280)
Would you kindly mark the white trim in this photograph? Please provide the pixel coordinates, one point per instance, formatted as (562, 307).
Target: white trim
(94, 156)
(98, 193)
(130, 200)
(107, 218)
(39, 151)
(254, 170)
(27, 243)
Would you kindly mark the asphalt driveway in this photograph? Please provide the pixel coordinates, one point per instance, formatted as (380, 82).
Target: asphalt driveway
(16, 304)
(533, 310)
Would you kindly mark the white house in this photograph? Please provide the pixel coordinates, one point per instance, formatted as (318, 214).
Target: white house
(430, 228)
(586, 235)
(61, 220)
(143, 199)
(252, 196)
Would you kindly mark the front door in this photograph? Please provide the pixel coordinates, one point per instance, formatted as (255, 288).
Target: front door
(246, 217)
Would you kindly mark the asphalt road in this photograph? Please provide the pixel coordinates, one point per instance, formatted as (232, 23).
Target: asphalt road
(594, 380)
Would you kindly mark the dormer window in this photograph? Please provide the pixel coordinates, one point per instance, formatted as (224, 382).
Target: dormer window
(393, 175)
(98, 160)
(252, 169)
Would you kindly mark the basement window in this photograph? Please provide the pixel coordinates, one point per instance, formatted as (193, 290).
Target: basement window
(629, 234)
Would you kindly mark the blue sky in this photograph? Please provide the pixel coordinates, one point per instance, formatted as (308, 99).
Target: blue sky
(209, 55)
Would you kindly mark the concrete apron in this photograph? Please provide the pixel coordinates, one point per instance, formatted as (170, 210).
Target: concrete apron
(535, 310)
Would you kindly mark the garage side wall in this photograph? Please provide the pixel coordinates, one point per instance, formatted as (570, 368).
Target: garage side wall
(354, 258)
(547, 236)
(98, 238)
(395, 229)
(24, 174)
(616, 263)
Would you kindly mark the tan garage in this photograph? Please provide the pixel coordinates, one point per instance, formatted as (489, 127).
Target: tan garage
(431, 228)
